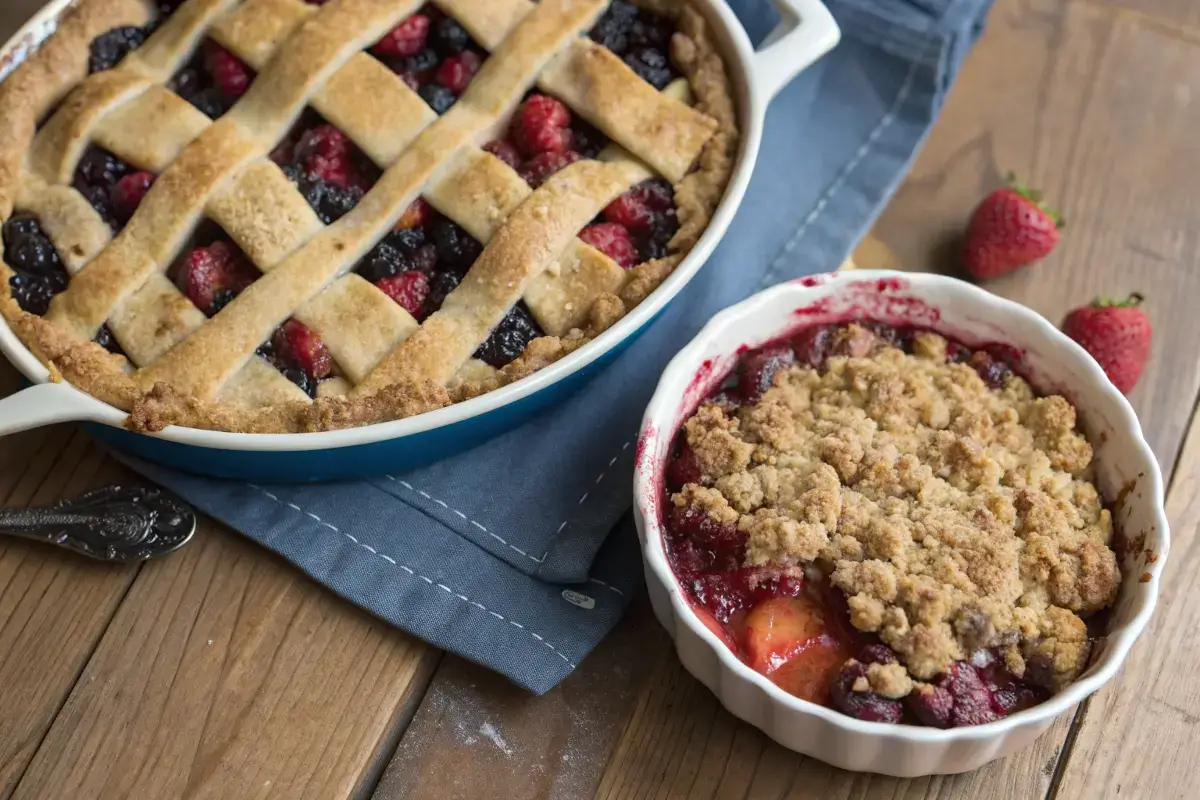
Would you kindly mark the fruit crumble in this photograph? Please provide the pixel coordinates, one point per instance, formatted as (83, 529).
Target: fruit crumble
(893, 524)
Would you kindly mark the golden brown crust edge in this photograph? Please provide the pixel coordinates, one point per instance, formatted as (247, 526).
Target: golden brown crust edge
(48, 74)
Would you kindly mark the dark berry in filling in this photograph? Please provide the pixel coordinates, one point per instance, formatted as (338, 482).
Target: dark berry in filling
(641, 38)
(433, 54)
(213, 80)
(510, 337)
(38, 272)
(109, 48)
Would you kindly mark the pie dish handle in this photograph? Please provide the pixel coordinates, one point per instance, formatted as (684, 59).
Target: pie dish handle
(806, 32)
(48, 404)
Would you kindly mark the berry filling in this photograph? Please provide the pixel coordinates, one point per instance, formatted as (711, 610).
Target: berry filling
(329, 169)
(110, 47)
(433, 54)
(212, 275)
(298, 352)
(114, 188)
(213, 80)
(790, 623)
(641, 38)
(423, 259)
(544, 137)
(38, 272)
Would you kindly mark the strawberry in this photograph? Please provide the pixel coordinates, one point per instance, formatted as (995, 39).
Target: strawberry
(1008, 230)
(1116, 333)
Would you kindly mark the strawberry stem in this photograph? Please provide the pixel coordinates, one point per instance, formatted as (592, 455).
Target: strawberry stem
(1035, 196)
(1134, 300)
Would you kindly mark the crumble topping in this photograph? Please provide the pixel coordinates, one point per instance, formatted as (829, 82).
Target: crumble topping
(953, 516)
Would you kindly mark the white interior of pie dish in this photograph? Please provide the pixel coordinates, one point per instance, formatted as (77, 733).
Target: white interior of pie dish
(806, 33)
(1126, 467)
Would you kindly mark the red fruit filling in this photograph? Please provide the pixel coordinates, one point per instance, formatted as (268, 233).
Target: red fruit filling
(212, 276)
(406, 39)
(127, 193)
(326, 166)
(300, 345)
(797, 631)
(409, 289)
(213, 80)
(613, 240)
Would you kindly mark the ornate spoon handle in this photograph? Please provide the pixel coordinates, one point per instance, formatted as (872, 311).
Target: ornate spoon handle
(116, 523)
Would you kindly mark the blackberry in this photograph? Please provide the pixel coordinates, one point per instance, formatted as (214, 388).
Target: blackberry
(651, 65)
(440, 285)
(32, 292)
(105, 338)
(406, 238)
(586, 140)
(197, 88)
(19, 226)
(99, 198)
(98, 167)
(330, 202)
(221, 298)
(424, 61)
(33, 255)
(655, 244)
(267, 350)
(300, 378)
(510, 337)
(438, 97)
(456, 249)
(449, 37)
(383, 261)
(109, 48)
(650, 30)
(613, 28)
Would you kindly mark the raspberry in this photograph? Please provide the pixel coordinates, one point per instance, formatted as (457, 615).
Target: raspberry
(505, 151)
(301, 346)
(456, 72)
(612, 240)
(406, 39)
(639, 207)
(538, 169)
(212, 276)
(325, 154)
(409, 289)
(127, 193)
(540, 126)
(811, 346)
(227, 70)
(955, 699)
(414, 216)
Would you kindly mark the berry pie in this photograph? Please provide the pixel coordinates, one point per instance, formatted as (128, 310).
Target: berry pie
(301, 215)
(890, 523)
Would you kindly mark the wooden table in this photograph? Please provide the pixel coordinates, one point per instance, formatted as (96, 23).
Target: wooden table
(221, 672)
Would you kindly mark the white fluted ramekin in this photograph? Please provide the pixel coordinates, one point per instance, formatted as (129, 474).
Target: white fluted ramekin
(1125, 467)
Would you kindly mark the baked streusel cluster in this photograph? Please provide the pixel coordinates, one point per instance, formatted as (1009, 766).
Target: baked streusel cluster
(953, 508)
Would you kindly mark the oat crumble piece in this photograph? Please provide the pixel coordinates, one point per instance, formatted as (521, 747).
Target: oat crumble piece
(953, 516)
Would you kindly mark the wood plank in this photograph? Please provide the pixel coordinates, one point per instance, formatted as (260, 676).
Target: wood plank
(1155, 701)
(225, 673)
(477, 735)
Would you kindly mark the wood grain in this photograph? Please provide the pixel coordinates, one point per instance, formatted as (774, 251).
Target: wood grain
(476, 735)
(1155, 701)
(53, 609)
(226, 674)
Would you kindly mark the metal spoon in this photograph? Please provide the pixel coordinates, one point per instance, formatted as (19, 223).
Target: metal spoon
(116, 523)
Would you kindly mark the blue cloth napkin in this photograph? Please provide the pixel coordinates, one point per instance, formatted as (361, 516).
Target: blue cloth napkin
(520, 555)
